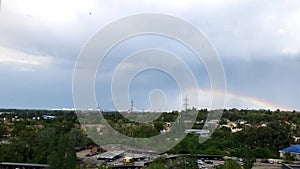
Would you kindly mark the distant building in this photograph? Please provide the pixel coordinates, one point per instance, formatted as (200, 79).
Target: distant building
(110, 155)
(211, 124)
(248, 125)
(263, 125)
(225, 125)
(232, 126)
(164, 131)
(214, 121)
(296, 139)
(49, 117)
(198, 131)
(168, 124)
(188, 121)
(235, 129)
(294, 150)
(5, 142)
(241, 121)
(167, 127)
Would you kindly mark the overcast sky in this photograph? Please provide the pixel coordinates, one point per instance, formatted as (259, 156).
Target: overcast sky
(258, 42)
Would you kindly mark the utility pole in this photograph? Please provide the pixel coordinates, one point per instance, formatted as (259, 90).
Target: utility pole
(131, 106)
(98, 107)
(186, 103)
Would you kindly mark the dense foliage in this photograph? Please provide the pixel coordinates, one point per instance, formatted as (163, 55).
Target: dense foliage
(48, 141)
(231, 164)
(175, 163)
(254, 141)
(27, 139)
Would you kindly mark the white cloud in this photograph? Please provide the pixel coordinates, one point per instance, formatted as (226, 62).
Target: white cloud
(22, 61)
(50, 10)
(281, 30)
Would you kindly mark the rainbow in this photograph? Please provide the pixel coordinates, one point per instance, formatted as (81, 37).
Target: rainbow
(233, 100)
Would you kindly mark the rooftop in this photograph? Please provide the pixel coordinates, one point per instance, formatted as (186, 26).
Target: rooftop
(110, 154)
(292, 149)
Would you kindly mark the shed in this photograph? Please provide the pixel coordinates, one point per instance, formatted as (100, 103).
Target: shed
(295, 150)
(110, 155)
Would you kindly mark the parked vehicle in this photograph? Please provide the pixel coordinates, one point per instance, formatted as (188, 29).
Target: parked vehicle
(271, 161)
(200, 162)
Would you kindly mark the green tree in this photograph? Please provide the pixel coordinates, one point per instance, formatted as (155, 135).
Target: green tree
(248, 162)
(288, 157)
(3, 130)
(160, 163)
(158, 125)
(104, 167)
(45, 143)
(231, 164)
(156, 165)
(18, 127)
(63, 157)
(183, 162)
(80, 139)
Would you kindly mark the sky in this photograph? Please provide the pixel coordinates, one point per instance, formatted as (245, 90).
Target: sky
(257, 41)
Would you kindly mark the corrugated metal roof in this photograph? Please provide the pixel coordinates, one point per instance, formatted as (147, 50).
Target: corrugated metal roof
(24, 164)
(198, 131)
(135, 155)
(110, 154)
(292, 149)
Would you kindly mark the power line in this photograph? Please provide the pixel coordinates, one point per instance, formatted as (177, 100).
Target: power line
(186, 102)
(131, 106)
